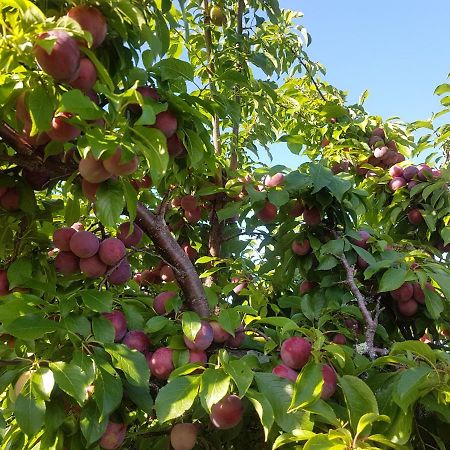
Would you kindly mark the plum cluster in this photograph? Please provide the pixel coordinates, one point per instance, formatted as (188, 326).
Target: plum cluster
(95, 171)
(81, 250)
(408, 297)
(384, 153)
(295, 353)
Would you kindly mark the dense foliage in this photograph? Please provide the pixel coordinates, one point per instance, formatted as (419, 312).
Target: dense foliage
(160, 286)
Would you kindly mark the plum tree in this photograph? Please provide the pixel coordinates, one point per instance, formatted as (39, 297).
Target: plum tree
(111, 251)
(62, 62)
(217, 16)
(183, 436)
(119, 322)
(203, 338)
(84, 244)
(312, 216)
(227, 413)
(137, 340)
(92, 20)
(295, 352)
(161, 363)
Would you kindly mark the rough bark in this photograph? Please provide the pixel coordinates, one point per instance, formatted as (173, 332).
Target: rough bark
(157, 230)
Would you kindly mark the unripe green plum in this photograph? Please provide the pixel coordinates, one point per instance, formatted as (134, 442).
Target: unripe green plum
(61, 238)
(295, 352)
(84, 244)
(63, 61)
(92, 267)
(227, 413)
(202, 340)
(87, 76)
(121, 274)
(115, 166)
(92, 170)
(183, 436)
(67, 263)
(161, 363)
(111, 251)
(217, 16)
(92, 20)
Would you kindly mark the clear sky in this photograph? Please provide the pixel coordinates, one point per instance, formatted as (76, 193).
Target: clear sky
(398, 49)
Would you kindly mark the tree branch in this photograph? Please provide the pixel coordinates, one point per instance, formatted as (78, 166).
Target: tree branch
(155, 227)
(371, 322)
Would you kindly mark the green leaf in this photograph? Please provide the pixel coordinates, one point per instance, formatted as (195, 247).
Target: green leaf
(263, 409)
(324, 442)
(392, 279)
(322, 409)
(195, 148)
(130, 198)
(176, 397)
(214, 386)
(42, 382)
(30, 413)
(368, 419)
(307, 387)
(153, 145)
(278, 197)
(41, 108)
(229, 320)
(241, 374)
(359, 398)
(110, 203)
(410, 385)
(132, 363)
(417, 347)
(279, 394)
(75, 102)
(98, 301)
(140, 397)
(31, 327)
(71, 379)
(103, 329)
(156, 324)
(171, 69)
(288, 438)
(191, 324)
(19, 272)
(92, 425)
(108, 389)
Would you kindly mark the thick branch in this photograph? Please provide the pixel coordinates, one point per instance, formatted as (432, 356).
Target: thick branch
(371, 322)
(14, 140)
(155, 227)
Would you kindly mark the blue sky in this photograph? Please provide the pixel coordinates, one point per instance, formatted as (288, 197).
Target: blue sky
(399, 50)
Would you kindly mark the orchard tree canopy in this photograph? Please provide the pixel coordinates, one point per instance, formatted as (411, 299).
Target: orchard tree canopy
(160, 287)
